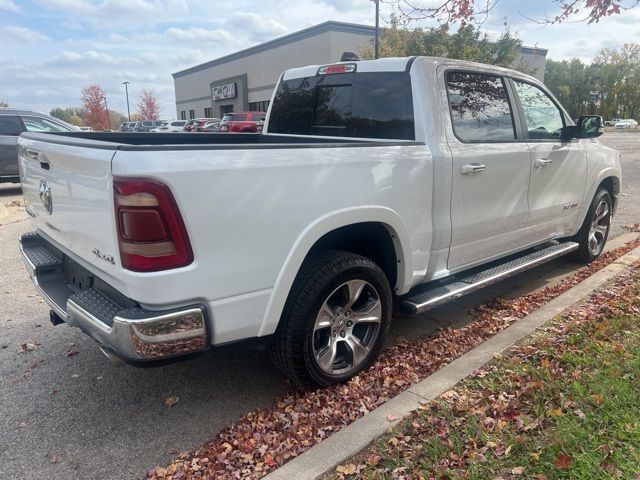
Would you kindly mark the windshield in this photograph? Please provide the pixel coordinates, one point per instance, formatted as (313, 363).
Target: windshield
(365, 105)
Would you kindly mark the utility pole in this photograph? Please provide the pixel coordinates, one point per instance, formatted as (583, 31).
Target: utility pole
(377, 40)
(107, 109)
(126, 90)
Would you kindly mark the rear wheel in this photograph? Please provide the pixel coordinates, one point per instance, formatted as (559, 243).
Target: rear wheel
(334, 321)
(595, 229)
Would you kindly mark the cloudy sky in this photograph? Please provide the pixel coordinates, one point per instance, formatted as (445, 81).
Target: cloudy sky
(51, 49)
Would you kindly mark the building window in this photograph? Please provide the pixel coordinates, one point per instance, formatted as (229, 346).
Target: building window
(262, 106)
(192, 114)
(183, 115)
(208, 112)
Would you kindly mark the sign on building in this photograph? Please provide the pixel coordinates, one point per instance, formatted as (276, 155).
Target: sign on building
(224, 91)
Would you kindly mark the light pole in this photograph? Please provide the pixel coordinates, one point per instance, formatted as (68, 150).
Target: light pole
(377, 39)
(126, 90)
(107, 109)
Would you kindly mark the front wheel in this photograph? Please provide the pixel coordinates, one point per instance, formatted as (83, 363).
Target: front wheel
(334, 321)
(595, 229)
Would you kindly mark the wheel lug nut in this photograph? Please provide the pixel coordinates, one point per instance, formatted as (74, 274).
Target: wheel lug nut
(349, 323)
(342, 334)
(347, 313)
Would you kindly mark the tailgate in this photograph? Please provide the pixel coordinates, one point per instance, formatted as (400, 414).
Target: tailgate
(67, 188)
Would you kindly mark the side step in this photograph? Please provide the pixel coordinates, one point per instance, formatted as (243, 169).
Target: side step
(432, 295)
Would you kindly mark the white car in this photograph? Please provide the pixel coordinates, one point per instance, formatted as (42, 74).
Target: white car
(626, 123)
(392, 183)
(174, 126)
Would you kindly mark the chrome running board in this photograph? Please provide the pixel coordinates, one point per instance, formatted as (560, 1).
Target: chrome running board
(425, 297)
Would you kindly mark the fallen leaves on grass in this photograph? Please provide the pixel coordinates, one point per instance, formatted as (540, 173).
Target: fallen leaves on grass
(563, 462)
(265, 439)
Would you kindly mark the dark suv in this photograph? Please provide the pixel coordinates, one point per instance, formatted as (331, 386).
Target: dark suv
(12, 124)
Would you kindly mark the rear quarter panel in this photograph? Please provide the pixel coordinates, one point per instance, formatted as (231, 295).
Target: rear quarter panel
(252, 214)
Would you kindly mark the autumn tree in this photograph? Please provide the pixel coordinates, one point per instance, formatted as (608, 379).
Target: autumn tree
(148, 105)
(477, 11)
(93, 101)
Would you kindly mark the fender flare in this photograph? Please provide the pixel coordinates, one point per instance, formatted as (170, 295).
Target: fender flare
(316, 230)
(591, 191)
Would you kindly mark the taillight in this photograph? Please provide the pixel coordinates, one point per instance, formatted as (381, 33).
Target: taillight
(151, 233)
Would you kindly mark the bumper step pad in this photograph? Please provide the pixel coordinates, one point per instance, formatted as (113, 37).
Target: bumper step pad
(425, 297)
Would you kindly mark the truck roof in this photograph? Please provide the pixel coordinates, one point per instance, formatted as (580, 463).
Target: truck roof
(399, 64)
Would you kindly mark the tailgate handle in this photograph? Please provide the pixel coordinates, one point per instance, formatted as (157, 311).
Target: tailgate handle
(35, 155)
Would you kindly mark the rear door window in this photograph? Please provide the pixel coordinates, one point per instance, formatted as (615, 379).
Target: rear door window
(480, 108)
(10, 125)
(364, 105)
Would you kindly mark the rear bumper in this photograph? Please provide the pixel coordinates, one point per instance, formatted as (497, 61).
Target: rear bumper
(118, 324)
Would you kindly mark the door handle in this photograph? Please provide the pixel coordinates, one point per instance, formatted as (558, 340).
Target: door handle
(32, 154)
(542, 162)
(472, 168)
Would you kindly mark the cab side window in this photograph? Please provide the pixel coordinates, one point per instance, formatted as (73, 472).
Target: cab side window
(9, 125)
(480, 108)
(544, 119)
(37, 124)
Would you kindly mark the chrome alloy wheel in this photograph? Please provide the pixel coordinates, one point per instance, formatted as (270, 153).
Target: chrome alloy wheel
(599, 228)
(347, 327)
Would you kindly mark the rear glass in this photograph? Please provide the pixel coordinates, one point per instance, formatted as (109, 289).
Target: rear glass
(366, 105)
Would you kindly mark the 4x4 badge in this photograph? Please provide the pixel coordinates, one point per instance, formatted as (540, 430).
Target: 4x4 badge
(45, 196)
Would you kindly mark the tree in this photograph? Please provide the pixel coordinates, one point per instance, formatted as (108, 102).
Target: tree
(477, 11)
(467, 43)
(72, 115)
(4, 103)
(148, 105)
(614, 74)
(93, 101)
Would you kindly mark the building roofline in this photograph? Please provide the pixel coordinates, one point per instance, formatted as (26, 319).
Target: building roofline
(328, 26)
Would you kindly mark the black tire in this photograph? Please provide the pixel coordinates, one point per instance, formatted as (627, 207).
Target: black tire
(320, 280)
(586, 253)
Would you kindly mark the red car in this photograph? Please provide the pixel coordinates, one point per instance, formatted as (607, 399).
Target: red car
(241, 122)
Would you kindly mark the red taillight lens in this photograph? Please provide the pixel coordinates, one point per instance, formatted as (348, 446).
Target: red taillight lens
(151, 233)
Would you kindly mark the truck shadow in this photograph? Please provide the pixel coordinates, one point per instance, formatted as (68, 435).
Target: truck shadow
(10, 189)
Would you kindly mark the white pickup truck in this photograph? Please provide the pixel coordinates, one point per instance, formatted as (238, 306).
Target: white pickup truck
(395, 183)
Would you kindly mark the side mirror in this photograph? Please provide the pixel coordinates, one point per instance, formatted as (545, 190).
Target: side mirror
(589, 126)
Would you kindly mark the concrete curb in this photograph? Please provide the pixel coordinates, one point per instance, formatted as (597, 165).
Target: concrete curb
(352, 439)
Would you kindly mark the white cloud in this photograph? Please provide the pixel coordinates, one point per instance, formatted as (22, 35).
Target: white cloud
(256, 27)
(9, 5)
(21, 34)
(200, 35)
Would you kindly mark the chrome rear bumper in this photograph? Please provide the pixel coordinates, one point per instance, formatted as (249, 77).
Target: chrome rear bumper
(117, 323)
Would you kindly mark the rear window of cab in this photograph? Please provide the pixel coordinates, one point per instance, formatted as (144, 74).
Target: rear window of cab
(365, 105)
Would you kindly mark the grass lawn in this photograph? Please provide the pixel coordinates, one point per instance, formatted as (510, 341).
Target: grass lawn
(564, 405)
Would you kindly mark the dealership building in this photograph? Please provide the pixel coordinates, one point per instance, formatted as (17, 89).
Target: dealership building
(244, 81)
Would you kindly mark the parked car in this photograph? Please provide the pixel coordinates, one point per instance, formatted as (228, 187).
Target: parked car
(612, 122)
(86, 129)
(127, 126)
(309, 235)
(241, 122)
(260, 125)
(626, 124)
(192, 125)
(171, 127)
(212, 126)
(147, 125)
(14, 122)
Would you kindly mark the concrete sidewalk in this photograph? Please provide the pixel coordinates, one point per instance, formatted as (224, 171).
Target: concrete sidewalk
(349, 441)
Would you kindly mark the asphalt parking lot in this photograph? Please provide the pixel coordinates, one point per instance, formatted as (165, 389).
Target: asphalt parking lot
(67, 413)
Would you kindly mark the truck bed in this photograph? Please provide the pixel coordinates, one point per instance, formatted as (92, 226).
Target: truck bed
(137, 141)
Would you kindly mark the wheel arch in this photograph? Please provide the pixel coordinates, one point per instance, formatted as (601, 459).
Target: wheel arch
(345, 229)
(609, 179)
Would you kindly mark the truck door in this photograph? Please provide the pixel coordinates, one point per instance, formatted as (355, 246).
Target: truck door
(489, 205)
(558, 167)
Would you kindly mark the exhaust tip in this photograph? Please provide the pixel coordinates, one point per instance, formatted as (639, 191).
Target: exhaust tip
(115, 360)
